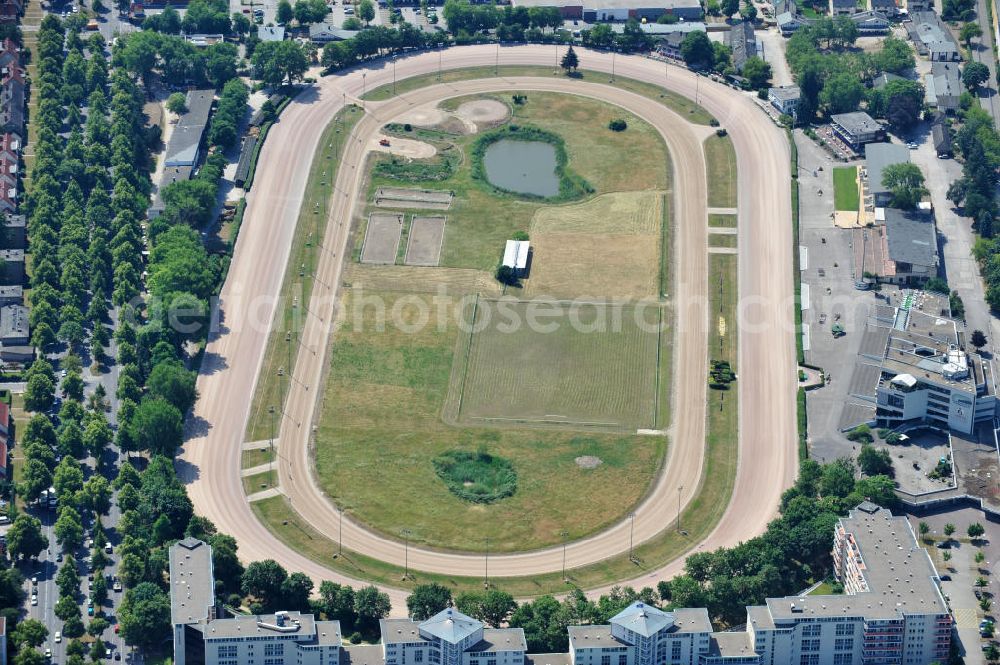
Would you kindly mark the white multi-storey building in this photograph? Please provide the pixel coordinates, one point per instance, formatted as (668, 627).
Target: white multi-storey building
(643, 635)
(450, 638)
(927, 375)
(202, 637)
(891, 612)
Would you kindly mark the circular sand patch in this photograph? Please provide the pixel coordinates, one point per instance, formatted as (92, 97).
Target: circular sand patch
(423, 116)
(483, 112)
(588, 462)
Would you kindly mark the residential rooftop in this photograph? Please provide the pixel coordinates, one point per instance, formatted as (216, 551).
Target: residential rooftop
(192, 582)
(898, 571)
(856, 122)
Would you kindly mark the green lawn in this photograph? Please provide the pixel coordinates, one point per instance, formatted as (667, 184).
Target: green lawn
(281, 351)
(721, 240)
(845, 188)
(382, 411)
(722, 221)
(256, 457)
(678, 103)
(720, 165)
(260, 482)
(698, 519)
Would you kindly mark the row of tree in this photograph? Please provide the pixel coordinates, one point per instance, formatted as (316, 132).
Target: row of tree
(833, 78)
(178, 61)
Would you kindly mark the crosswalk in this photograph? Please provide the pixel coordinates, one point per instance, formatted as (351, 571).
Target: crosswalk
(965, 617)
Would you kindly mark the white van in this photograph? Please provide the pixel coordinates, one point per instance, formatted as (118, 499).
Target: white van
(58, 636)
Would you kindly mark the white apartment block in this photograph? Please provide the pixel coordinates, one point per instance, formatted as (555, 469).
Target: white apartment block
(202, 637)
(643, 635)
(450, 638)
(891, 613)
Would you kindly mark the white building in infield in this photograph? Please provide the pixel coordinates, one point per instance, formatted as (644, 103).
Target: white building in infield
(515, 255)
(891, 613)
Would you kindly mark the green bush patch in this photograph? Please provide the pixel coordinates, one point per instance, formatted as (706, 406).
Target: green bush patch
(477, 477)
(571, 185)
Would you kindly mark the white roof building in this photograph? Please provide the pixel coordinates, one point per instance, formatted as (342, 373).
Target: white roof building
(515, 254)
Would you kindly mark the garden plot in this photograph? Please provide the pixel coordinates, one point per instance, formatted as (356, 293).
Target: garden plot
(423, 247)
(382, 238)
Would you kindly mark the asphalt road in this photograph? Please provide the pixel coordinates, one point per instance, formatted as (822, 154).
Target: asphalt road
(211, 458)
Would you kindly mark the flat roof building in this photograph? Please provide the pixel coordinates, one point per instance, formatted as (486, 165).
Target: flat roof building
(785, 99)
(857, 128)
(891, 611)
(877, 157)
(911, 239)
(183, 149)
(12, 261)
(925, 374)
(14, 236)
(202, 637)
(891, 589)
(515, 255)
(620, 10)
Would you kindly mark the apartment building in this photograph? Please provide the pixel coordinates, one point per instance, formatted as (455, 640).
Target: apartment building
(203, 635)
(450, 638)
(891, 611)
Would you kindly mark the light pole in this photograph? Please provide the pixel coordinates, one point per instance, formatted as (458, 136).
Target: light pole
(288, 339)
(393, 76)
(496, 66)
(555, 70)
(364, 88)
(270, 410)
(486, 579)
(679, 508)
(631, 534)
(564, 534)
(612, 67)
(440, 51)
(340, 533)
(406, 554)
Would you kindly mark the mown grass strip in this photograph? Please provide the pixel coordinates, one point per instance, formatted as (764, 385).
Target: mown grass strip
(720, 165)
(718, 220)
(306, 244)
(845, 188)
(259, 482)
(677, 103)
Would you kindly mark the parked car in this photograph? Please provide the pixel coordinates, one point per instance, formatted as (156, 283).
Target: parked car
(944, 578)
(58, 637)
(34, 600)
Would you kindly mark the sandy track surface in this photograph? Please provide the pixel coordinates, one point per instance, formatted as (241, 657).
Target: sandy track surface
(403, 147)
(211, 457)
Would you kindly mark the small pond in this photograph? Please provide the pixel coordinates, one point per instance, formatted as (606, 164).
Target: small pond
(525, 167)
